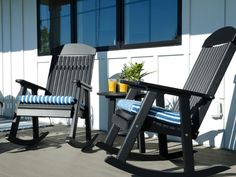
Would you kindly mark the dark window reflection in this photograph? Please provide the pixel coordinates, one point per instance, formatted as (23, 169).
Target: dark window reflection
(55, 24)
(150, 20)
(96, 22)
(107, 25)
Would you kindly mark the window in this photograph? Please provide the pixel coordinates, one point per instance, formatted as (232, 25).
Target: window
(108, 24)
(150, 21)
(96, 22)
(54, 24)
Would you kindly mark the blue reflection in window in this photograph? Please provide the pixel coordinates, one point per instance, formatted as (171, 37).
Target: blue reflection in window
(55, 24)
(150, 20)
(44, 28)
(65, 24)
(96, 22)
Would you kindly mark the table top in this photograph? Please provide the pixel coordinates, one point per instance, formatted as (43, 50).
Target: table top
(117, 94)
(112, 94)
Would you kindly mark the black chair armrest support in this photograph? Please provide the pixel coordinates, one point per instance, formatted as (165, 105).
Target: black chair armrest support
(26, 84)
(83, 85)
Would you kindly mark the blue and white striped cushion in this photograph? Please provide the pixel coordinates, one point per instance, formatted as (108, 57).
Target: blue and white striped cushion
(156, 112)
(47, 99)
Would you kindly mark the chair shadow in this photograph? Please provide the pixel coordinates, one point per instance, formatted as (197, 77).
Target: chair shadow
(204, 156)
(209, 136)
(55, 140)
(217, 175)
(230, 130)
(7, 146)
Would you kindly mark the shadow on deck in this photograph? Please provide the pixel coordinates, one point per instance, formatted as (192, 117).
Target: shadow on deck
(54, 158)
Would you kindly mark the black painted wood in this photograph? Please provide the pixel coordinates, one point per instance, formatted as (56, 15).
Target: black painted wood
(194, 101)
(70, 74)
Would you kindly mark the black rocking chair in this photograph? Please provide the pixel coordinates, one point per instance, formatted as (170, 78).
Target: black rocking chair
(67, 95)
(184, 121)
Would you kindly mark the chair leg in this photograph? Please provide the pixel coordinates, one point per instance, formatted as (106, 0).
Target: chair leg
(163, 149)
(14, 126)
(89, 143)
(188, 154)
(35, 127)
(141, 142)
(112, 135)
(186, 136)
(107, 144)
(73, 127)
(88, 125)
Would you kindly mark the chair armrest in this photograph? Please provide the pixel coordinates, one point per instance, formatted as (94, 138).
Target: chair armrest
(30, 85)
(165, 89)
(83, 85)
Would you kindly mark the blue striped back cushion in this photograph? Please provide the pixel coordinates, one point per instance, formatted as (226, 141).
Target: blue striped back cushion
(156, 112)
(47, 99)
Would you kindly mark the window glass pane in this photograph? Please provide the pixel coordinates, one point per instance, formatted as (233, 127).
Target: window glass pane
(136, 21)
(150, 20)
(145, 21)
(86, 22)
(44, 28)
(164, 20)
(55, 24)
(96, 22)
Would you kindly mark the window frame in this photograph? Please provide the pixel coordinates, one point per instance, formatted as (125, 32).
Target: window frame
(120, 28)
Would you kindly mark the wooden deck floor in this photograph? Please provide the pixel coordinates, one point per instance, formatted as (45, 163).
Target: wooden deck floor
(54, 158)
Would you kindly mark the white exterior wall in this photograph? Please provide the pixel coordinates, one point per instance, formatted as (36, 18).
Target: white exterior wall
(18, 59)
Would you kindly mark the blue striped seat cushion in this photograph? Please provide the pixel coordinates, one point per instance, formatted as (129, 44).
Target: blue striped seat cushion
(47, 99)
(156, 112)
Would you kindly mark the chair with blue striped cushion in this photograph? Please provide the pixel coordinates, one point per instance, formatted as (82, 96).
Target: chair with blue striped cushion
(67, 94)
(185, 118)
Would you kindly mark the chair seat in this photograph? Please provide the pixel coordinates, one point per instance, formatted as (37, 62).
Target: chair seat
(155, 112)
(47, 99)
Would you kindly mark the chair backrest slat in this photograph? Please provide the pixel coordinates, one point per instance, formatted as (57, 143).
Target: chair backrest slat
(69, 63)
(210, 66)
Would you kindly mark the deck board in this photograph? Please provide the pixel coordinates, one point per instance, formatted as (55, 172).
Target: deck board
(54, 158)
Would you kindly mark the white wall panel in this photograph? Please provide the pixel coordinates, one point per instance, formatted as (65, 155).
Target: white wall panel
(230, 87)
(150, 65)
(6, 33)
(18, 45)
(18, 59)
(17, 54)
(7, 62)
(42, 66)
(30, 40)
(173, 70)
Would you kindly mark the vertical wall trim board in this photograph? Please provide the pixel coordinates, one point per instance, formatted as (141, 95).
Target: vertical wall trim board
(23, 37)
(11, 51)
(1, 47)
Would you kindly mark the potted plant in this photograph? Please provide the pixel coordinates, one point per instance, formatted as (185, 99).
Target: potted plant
(131, 72)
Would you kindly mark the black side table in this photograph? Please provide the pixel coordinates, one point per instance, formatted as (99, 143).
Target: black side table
(112, 97)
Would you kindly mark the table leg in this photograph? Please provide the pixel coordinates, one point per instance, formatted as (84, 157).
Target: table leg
(111, 109)
(141, 142)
